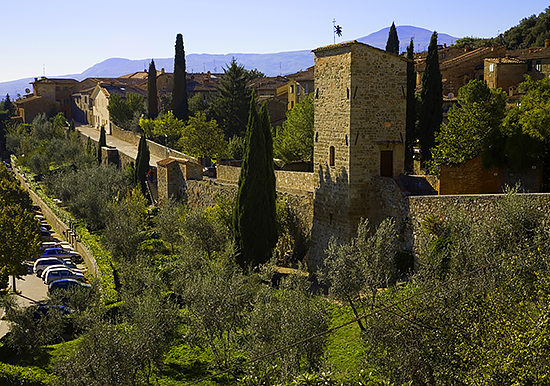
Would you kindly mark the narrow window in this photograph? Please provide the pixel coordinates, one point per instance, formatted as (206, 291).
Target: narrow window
(331, 156)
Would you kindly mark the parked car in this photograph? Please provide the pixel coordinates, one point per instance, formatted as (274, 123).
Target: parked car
(63, 273)
(65, 284)
(45, 235)
(42, 263)
(50, 244)
(70, 264)
(55, 266)
(42, 310)
(60, 253)
(44, 224)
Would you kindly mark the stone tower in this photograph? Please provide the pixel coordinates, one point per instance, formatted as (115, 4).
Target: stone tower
(360, 108)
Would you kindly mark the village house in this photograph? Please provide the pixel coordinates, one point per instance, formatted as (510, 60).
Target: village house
(100, 101)
(50, 95)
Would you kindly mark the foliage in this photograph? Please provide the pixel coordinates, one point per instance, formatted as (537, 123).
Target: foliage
(355, 271)
(471, 321)
(20, 237)
(142, 165)
(202, 138)
(410, 125)
(86, 191)
(152, 102)
(231, 106)
(392, 45)
(236, 147)
(125, 225)
(294, 141)
(197, 104)
(168, 221)
(472, 125)
(202, 234)
(25, 376)
(165, 130)
(285, 316)
(255, 212)
(122, 110)
(431, 112)
(179, 90)
(102, 143)
(216, 301)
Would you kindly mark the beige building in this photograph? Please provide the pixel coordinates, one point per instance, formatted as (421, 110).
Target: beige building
(100, 101)
(360, 111)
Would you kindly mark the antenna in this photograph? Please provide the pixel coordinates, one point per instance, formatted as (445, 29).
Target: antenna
(44, 70)
(334, 30)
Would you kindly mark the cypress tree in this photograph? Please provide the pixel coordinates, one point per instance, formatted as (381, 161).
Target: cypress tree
(8, 105)
(410, 129)
(180, 106)
(392, 45)
(431, 111)
(152, 103)
(102, 142)
(72, 126)
(142, 165)
(254, 217)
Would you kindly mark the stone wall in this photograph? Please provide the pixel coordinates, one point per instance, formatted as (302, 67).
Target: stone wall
(477, 206)
(287, 181)
(155, 149)
(471, 178)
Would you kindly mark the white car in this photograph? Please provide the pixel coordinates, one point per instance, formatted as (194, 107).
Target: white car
(63, 273)
(41, 264)
(55, 266)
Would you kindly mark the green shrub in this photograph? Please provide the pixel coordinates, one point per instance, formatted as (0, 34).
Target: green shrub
(25, 376)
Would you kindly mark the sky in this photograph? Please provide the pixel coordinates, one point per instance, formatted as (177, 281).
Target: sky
(60, 37)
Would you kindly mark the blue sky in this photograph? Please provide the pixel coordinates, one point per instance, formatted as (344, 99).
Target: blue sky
(59, 37)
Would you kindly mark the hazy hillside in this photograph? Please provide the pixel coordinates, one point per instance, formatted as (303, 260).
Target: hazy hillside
(280, 63)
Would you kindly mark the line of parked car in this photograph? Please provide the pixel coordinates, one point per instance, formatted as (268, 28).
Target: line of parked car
(57, 263)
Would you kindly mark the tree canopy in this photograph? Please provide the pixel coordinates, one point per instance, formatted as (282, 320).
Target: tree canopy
(231, 106)
(473, 124)
(294, 140)
(392, 45)
(152, 99)
(255, 212)
(202, 138)
(179, 90)
(431, 111)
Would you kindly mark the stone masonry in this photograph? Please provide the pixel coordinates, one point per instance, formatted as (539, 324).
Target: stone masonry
(360, 108)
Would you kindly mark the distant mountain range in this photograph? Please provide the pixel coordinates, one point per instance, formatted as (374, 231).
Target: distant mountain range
(280, 63)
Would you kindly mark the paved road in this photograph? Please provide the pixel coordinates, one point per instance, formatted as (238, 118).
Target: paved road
(32, 290)
(123, 146)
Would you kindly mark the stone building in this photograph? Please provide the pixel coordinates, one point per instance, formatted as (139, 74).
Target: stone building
(505, 73)
(172, 174)
(57, 90)
(360, 110)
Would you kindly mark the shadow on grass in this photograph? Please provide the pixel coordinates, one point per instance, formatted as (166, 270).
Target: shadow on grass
(187, 364)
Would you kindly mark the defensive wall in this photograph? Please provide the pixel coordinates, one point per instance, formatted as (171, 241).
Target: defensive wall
(155, 149)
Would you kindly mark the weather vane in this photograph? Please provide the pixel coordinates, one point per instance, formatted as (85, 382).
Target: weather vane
(337, 30)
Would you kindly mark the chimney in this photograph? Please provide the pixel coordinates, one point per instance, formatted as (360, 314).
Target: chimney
(162, 71)
(530, 50)
(547, 43)
(467, 48)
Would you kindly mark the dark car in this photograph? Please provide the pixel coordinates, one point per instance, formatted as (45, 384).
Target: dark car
(43, 310)
(65, 284)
